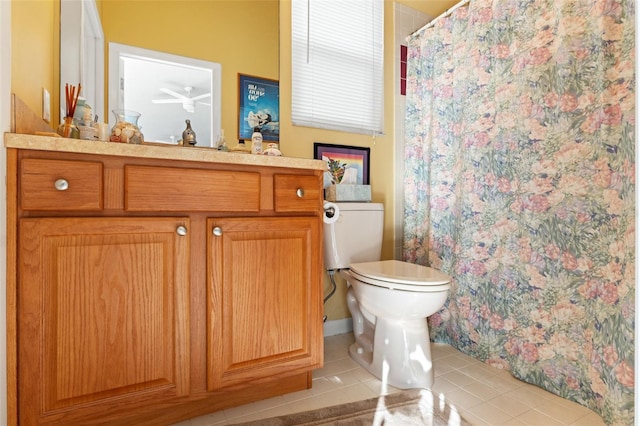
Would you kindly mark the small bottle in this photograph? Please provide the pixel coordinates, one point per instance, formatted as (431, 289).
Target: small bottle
(256, 141)
(222, 142)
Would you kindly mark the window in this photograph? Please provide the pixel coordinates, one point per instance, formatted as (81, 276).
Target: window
(337, 64)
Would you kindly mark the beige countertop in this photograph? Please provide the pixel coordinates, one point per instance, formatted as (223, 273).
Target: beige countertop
(170, 152)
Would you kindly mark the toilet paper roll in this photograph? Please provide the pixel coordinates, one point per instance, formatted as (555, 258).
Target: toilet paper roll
(331, 212)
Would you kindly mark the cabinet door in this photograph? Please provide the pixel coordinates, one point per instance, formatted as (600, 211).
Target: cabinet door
(264, 298)
(103, 305)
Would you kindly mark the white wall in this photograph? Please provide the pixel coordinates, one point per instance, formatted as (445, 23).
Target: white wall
(407, 20)
(5, 108)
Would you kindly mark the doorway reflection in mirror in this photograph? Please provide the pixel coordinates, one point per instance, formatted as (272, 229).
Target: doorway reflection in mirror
(166, 89)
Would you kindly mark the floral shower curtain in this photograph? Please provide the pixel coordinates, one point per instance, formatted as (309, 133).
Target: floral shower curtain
(520, 185)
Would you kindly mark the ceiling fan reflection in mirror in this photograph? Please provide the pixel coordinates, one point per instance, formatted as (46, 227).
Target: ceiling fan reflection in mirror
(188, 102)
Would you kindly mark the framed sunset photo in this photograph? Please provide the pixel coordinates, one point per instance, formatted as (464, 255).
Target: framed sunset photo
(345, 164)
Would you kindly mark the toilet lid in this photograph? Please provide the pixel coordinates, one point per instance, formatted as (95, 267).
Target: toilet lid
(399, 275)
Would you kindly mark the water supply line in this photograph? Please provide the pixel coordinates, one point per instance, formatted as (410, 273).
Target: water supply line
(332, 273)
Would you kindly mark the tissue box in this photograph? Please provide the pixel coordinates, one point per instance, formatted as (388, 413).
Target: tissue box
(345, 192)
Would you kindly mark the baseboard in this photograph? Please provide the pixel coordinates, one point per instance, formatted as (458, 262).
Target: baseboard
(341, 326)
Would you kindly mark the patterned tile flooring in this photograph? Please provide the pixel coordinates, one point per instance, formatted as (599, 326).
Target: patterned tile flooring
(482, 394)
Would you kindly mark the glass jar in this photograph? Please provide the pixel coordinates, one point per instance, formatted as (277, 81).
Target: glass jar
(126, 129)
(67, 129)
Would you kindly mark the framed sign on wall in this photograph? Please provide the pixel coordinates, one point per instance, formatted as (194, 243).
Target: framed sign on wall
(259, 107)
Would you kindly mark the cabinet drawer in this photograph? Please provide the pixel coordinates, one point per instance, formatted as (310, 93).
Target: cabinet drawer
(149, 188)
(60, 185)
(297, 193)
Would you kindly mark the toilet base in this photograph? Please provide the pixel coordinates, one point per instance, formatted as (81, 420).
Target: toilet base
(401, 355)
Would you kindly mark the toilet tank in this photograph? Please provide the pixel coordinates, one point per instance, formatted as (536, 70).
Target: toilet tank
(356, 236)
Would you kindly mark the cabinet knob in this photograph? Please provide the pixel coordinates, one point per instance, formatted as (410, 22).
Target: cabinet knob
(61, 184)
(217, 231)
(181, 230)
(300, 192)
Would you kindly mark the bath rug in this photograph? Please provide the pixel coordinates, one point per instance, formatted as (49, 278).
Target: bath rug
(405, 408)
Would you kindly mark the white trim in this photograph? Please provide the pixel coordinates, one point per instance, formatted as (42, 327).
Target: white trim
(82, 52)
(91, 14)
(335, 327)
(94, 18)
(406, 20)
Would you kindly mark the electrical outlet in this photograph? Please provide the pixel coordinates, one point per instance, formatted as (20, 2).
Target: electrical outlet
(46, 105)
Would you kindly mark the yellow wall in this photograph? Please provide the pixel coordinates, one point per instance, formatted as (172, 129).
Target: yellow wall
(429, 7)
(239, 34)
(34, 52)
(298, 141)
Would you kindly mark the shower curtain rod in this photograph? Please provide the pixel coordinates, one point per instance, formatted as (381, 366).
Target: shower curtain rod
(442, 15)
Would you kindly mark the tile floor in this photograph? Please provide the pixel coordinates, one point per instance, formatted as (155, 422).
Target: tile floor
(482, 395)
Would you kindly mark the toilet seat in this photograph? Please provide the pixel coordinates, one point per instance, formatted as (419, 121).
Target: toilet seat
(397, 275)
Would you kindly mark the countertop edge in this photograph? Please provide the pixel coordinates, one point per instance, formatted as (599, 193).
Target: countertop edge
(47, 143)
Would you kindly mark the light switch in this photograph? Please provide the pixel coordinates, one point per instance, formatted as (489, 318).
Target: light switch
(46, 105)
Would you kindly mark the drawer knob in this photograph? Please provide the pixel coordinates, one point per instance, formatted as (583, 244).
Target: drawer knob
(181, 230)
(217, 231)
(61, 184)
(300, 192)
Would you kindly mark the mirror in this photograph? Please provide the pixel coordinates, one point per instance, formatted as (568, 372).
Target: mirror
(241, 36)
(166, 90)
(82, 52)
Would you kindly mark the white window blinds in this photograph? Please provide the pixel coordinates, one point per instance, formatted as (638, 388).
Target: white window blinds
(337, 64)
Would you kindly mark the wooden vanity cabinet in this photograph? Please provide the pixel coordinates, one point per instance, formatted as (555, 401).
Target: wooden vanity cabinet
(258, 300)
(150, 291)
(103, 313)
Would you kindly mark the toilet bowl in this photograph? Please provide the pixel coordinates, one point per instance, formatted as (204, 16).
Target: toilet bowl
(389, 300)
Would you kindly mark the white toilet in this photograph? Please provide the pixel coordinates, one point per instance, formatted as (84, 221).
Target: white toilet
(389, 300)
